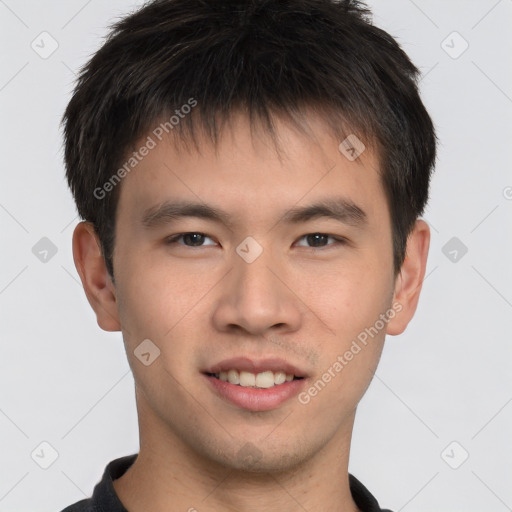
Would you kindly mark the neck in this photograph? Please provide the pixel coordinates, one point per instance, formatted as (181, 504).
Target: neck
(168, 472)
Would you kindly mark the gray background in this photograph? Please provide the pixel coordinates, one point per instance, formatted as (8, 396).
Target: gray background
(65, 382)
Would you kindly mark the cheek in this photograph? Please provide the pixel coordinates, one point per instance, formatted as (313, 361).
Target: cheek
(363, 310)
(351, 303)
(153, 297)
(162, 304)
(155, 306)
(348, 298)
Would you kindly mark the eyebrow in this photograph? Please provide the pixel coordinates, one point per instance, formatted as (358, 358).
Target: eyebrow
(339, 209)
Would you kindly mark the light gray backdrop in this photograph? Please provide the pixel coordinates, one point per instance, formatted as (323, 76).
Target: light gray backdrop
(434, 430)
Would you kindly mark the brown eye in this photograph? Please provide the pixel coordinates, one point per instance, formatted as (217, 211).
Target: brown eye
(318, 240)
(191, 239)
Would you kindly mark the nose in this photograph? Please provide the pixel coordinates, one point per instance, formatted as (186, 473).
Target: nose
(257, 299)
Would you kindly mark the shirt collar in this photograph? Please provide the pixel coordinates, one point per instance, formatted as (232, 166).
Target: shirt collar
(105, 499)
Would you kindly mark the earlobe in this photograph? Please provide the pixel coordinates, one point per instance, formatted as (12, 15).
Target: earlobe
(410, 279)
(98, 286)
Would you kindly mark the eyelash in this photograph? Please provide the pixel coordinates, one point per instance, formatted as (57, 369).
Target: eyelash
(339, 240)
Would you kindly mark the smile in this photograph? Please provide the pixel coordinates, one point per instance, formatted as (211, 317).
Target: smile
(255, 384)
(263, 380)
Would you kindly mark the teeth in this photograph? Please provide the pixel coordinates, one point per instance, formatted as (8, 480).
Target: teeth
(265, 380)
(233, 377)
(247, 379)
(280, 377)
(262, 380)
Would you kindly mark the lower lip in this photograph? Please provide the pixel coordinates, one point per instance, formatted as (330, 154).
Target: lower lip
(257, 399)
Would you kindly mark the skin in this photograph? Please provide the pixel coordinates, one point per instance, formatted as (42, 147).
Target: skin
(203, 304)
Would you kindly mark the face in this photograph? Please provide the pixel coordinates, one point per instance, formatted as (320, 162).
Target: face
(283, 267)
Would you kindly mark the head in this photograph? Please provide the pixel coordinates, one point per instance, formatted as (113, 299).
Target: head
(240, 108)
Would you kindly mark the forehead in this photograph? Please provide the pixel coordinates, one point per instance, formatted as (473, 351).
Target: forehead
(246, 173)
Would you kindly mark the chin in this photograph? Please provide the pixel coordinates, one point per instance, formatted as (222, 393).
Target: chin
(260, 458)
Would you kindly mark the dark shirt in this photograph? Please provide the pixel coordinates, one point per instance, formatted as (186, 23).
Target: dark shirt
(104, 498)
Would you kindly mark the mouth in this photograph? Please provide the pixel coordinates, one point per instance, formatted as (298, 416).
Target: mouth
(262, 380)
(255, 385)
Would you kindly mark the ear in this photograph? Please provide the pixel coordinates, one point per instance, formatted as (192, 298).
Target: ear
(97, 283)
(410, 279)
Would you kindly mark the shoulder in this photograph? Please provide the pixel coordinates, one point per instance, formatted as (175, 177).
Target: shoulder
(363, 498)
(104, 496)
(81, 506)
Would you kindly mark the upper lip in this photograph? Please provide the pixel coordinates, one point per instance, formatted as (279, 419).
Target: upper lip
(255, 366)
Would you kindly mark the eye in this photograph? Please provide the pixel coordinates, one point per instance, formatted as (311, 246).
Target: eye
(318, 240)
(192, 239)
(312, 240)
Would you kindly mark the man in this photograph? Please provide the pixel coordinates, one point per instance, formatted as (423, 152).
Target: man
(251, 176)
